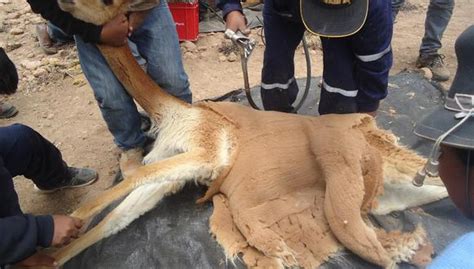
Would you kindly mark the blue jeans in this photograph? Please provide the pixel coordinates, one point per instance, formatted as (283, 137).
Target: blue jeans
(156, 45)
(437, 19)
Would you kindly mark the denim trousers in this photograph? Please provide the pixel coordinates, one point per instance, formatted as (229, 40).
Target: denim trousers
(437, 19)
(25, 152)
(155, 45)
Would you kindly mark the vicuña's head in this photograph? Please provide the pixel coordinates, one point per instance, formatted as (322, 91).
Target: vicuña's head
(94, 11)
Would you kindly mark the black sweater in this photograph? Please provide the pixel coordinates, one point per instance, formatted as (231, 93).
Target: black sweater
(21, 235)
(49, 9)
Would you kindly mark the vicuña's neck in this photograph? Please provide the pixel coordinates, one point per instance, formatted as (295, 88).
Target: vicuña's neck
(138, 84)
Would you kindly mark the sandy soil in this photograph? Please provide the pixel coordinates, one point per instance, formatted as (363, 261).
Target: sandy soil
(55, 99)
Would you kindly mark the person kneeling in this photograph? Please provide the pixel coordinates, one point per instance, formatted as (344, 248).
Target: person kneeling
(456, 161)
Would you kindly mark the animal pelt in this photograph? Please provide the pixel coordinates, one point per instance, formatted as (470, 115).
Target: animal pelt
(279, 213)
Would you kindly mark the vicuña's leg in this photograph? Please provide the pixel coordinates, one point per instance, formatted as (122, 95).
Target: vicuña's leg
(137, 203)
(185, 165)
(342, 207)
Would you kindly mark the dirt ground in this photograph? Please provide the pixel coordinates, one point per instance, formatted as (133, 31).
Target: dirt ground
(55, 99)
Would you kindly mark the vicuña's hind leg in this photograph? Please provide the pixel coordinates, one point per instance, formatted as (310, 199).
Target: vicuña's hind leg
(137, 203)
(185, 165)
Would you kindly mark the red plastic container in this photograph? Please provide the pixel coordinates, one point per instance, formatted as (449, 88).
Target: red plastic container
(186, 17)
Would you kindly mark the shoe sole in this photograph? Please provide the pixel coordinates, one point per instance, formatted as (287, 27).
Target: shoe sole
(437, 78)
(65, 187)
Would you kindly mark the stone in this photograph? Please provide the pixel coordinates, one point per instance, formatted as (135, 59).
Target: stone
(426, 72)
(190, 55)
(222, 58)
(52, 61)
(30, 65)
(205, 55)
(189, 46)
(16, 31)
(40, 72)
(232, 57)
(78, 82)
(12, 46)
(13, 15)
(63, 53)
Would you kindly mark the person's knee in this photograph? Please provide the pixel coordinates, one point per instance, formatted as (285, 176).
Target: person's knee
(22, 132)
(115, 102)
(22, 135)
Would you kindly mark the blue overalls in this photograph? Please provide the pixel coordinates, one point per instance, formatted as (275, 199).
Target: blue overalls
(356, 68)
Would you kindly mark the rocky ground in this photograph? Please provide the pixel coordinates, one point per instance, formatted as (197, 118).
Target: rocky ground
(55, 99)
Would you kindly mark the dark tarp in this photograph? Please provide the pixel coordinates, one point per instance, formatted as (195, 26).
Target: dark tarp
(176, 233)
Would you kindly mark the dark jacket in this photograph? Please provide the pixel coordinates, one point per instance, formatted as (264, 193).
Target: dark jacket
(21, 235)
(370, 47)
(288, 8)
(49, 10)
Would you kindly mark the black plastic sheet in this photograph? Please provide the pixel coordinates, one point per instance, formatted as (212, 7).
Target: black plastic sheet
(175, 234)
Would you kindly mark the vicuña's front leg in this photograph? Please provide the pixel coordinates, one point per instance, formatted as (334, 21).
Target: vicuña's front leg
(150, 184)
(137, 203)
(182, 165)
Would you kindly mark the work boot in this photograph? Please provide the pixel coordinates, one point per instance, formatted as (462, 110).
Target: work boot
(44, 40)
(436, 64)
(80, 177)
(7, 111)
(130, 160)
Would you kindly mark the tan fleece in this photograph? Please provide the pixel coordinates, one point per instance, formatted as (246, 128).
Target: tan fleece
(298, 189)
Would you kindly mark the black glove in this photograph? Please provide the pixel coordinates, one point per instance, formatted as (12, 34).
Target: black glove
(8, 74)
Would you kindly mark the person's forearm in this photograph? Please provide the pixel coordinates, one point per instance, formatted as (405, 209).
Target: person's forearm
(21, 235)
(49, 10)
(228, 6)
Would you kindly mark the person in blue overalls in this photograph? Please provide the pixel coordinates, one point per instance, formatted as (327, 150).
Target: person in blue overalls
(357, 56)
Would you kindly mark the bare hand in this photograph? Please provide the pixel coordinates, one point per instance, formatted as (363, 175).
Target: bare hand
(115, 32)
(235, 21)
(65, 229)
(135, 19)
(38, 260)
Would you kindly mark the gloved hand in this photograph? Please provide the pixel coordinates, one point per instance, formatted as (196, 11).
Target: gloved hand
(236, 21)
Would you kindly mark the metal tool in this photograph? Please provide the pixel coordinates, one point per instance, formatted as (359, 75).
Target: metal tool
(246, 46)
